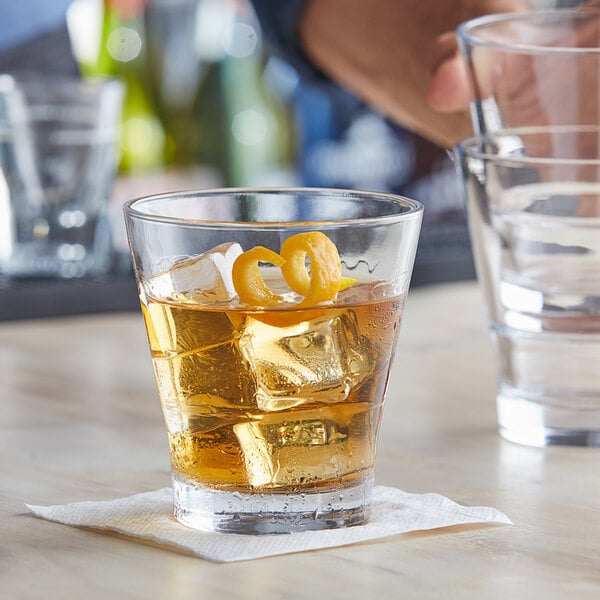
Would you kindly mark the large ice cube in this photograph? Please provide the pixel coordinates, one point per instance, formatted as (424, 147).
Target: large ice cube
(207, 274)
(291, 452)
(177, 329)
(320, 360)
(203, 389)
(307, 445)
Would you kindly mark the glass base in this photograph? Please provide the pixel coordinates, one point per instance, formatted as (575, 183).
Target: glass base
(545, 424)
(261, 513)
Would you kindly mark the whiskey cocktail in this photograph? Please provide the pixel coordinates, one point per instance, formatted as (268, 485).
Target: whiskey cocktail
(272, 341)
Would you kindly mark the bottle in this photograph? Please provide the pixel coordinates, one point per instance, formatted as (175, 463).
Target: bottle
(259, 124)
(242, 127)
(210, 133)
(176, 69)
(123, 54)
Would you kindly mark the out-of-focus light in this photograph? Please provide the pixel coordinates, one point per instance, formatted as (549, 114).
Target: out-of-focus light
(72, 218)
(140, 137)
(41, 228)
(124, 44)
(70, 270)
(71, 252)
(249, 127)
(241, 41)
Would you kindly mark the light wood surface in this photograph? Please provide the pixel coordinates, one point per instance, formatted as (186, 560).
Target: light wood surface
(80, 420)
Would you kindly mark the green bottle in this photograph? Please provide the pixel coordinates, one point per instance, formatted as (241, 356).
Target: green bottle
(123, 54)
(242, 129)
(259, 124)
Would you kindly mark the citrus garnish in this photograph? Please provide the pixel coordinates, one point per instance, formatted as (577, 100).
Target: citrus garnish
(320, 284)
(323, 282)
(248, 281)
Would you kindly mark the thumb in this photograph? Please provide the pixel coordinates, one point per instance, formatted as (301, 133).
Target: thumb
(450, 87)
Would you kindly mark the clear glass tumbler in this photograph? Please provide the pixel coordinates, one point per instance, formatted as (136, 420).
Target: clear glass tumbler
(535, 68)
(272, 317)
(58, 159)
(534, 215)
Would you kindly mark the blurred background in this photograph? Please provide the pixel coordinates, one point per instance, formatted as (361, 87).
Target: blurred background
(208, 104)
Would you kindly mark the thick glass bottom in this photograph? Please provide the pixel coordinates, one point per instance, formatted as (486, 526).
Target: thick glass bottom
(261, 513)
(535, 423)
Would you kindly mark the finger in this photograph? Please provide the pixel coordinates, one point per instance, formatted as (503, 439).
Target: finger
(450, 88)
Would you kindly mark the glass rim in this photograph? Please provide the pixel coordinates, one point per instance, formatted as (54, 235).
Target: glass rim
(414, 208)
(466, 31)
(472, 146)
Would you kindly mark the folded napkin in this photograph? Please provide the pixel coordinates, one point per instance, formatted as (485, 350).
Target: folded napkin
(149, 516)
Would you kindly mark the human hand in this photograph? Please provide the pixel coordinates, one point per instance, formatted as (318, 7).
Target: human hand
(528, 88)
(400, 56)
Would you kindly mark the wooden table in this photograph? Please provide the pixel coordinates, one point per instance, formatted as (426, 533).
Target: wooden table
(80, 420)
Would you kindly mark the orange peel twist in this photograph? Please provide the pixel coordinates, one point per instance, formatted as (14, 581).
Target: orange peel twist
(247, 280)
(321, 284)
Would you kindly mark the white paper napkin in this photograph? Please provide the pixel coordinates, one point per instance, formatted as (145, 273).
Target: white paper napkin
(149, 516)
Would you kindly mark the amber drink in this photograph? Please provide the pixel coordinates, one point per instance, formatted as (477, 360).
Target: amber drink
(272, 401)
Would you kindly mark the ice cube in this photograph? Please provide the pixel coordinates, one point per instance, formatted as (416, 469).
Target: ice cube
(207, 274)
(203, 388)
(320, 360)
(284, 450)
(175, 329)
